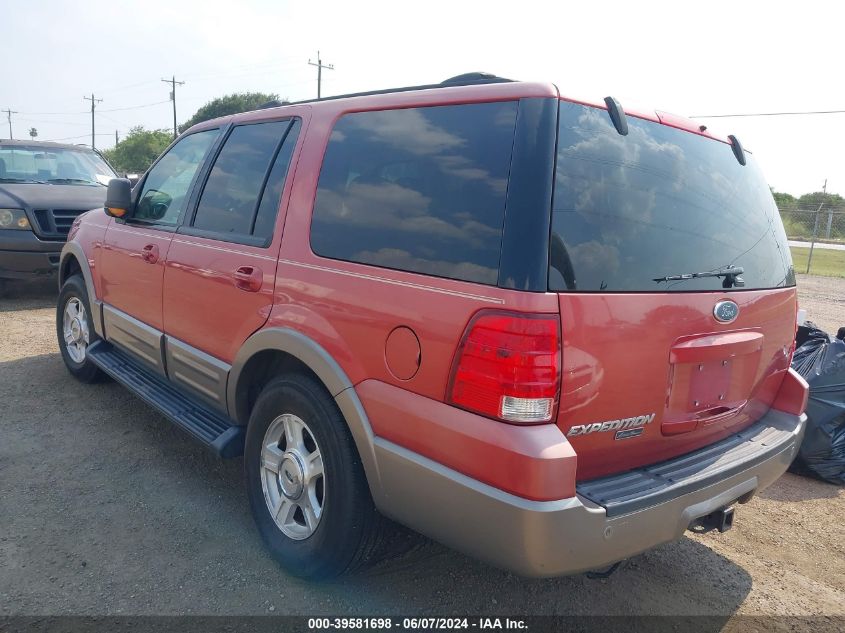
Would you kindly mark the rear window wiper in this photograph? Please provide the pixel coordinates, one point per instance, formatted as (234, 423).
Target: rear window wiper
(731, 274)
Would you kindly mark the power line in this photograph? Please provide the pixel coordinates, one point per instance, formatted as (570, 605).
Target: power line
(727, 116)
(9, 112)
(127, 87)
(113, 120)
(69, 138)
(94, 103)
(172, 81)
(228, 69)
(53, 122)
(54, 113)
(320, 65)
(137, 107)
(243, 72)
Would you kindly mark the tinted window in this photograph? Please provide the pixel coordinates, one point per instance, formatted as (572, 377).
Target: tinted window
(230, 196)
(269, 205)
(166, 185)
(658, 202)
(420, 189)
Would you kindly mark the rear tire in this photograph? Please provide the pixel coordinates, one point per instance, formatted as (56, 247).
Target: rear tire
(306, 484)
(75, 330)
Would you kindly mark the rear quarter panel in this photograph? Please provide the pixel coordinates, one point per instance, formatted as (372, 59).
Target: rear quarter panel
(349, 308)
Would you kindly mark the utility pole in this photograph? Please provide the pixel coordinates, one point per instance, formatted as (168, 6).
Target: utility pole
(116, 138)
(320, 65)
(94, 103)
(816, 227)
(172, 81)
(829, 212)
(9, 112)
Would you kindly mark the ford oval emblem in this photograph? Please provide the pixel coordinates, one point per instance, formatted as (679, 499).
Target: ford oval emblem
(726, 311)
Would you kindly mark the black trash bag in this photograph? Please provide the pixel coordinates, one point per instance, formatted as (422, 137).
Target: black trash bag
(810, 331)
(822, 364)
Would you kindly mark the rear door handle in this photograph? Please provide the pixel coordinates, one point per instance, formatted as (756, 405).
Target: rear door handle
(150, 253)
(248, 278)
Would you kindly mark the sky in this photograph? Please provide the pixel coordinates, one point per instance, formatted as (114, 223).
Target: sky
(687, 58)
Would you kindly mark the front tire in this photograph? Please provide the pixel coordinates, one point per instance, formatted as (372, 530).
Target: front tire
(306, 485)
(75, 330)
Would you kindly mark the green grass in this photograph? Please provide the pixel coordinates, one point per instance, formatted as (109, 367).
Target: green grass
(826, 262)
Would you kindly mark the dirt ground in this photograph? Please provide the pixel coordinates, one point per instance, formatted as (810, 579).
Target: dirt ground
(106, 509)
(824, 300)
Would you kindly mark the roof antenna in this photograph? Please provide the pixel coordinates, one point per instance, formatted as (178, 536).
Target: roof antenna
(736, 146)
(617, 115)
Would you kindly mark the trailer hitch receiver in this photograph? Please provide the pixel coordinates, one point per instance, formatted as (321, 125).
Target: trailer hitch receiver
(721, 520)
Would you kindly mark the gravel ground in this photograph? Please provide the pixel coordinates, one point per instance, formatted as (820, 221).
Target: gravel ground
(106, 509)
(824, 300)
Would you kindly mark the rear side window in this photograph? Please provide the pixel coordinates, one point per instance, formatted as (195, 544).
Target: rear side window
(660, 202)
(419, 189)
(265, 218)
(242, 191)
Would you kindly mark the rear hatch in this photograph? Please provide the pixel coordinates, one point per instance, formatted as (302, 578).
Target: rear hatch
(657, 362)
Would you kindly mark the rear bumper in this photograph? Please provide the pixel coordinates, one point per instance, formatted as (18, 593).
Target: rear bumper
(24, 256)
(606, 521)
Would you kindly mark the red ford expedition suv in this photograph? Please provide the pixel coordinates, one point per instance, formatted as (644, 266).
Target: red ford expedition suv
(549, 333)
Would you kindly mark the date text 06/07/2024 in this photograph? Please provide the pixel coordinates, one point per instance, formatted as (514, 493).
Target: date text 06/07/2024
(408, 624)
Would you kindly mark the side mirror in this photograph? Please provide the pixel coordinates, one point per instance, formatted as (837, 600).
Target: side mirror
(133, 179)
(118, 197)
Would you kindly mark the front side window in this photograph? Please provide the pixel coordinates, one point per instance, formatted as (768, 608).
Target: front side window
(419, 189)
(230, 201)
(630, 211)
(166, 186)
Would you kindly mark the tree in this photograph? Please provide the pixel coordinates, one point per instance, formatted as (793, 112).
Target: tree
(33, 132)
(812, 201)
(137, 151)
(785, 201)
(230, 104)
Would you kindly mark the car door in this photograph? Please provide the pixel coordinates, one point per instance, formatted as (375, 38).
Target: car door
(220, 271)
(135, 249)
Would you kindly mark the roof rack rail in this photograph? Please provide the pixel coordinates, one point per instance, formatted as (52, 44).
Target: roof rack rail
(466, 79)
(469, 79)
(275, 103)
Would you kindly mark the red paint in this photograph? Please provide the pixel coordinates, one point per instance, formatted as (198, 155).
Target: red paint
(647, 349)
(622, 355)
(130, 277)
(535, 462)
(793, 394)
(402, 353)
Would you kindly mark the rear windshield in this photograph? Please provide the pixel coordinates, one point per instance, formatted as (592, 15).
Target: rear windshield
(659, 202)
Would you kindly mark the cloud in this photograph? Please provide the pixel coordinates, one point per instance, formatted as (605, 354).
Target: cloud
(408, 130)
(403, 260)
(391, 207)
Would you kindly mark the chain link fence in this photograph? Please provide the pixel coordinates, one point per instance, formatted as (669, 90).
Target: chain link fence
(817, 240)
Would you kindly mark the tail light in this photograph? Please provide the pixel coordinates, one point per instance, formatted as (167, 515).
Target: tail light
(508, 367)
